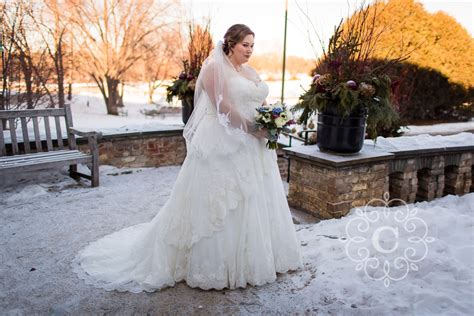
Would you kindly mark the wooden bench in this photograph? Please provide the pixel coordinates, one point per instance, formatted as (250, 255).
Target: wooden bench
(45, 151)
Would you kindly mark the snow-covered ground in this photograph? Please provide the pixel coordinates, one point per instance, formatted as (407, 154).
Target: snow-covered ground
(89, 111)
(420, 142)
(46, 218)
(424, 252)
(440, 129)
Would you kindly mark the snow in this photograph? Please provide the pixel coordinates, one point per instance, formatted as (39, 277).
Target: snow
(439, 282)
(89, 111)
(420, 142)
(46, 218)
(439, 129)
(406, 143)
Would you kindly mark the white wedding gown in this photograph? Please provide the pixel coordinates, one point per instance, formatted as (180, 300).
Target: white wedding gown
(226, 224)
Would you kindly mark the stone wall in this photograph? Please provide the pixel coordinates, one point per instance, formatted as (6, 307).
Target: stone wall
(152, 149)
(335, 190)
(141, 149)
(328, 186)
(459, 173)
(283, 164)
(430, 175)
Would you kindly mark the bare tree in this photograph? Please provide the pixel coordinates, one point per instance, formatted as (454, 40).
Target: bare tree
(160, 63)
(33, 61)
(113, 35)
(51, 26)
(25, 62)
(9, 20)
(16, 22)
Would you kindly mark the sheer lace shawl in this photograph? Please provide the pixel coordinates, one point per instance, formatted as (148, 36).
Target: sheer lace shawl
(212, 95)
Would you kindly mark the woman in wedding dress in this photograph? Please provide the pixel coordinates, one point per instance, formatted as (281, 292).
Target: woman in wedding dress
(227, 223)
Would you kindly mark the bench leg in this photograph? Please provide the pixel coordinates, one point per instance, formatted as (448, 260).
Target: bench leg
(95, 161)
(73, 172)
(95, 174)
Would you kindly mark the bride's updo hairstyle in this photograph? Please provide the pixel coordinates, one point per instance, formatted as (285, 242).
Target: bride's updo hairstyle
(235, 34)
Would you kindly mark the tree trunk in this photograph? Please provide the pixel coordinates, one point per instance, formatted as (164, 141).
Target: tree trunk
(27, 73)
(151, 91)
(60, 74)
(120, 104)
(4, 82)
(69, 91)
(29, 90)
(114, 99)
(150, 97)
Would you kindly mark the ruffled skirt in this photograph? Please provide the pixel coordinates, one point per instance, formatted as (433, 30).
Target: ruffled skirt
(226, 224)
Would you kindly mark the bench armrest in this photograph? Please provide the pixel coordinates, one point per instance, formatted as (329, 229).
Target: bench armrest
(83, 133)
(92, 137)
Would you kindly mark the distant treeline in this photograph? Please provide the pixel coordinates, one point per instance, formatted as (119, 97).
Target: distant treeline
(436, 82)
(271, 64)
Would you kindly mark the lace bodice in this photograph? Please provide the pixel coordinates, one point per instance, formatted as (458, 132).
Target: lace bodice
(247, 94)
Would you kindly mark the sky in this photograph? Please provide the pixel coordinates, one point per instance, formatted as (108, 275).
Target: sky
(266, 19)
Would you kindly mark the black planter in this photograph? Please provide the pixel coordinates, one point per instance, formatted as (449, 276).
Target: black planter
(187, 109)
(341, 134)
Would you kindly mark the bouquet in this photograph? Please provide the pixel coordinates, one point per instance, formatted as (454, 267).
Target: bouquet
(275, 118)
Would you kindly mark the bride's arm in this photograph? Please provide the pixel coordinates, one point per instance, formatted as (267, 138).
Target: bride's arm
(252, 73)
(217, 89)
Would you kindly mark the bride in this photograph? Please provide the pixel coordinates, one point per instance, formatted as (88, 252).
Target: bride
(227, 222)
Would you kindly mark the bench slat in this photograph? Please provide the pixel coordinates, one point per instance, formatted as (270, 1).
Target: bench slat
(8, 114)
(47, 129)
(37, 134)
(15, 150)
(51, 156)
(59, 135)
(39, 155)
(34, 161)
(45, 164)
(3, 150)
(9, 164)
(68, 119)
(26, 139)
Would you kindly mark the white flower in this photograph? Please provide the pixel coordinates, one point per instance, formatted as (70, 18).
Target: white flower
(280, 122)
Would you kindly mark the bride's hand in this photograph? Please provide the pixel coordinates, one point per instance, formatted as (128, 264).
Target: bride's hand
(260, 133)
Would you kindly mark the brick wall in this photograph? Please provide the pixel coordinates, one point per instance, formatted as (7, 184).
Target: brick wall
(328, 192)
(152, 149)
(283, 164)
(136, 150)
(328, 186)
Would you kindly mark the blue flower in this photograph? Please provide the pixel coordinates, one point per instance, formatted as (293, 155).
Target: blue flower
(277, 110)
